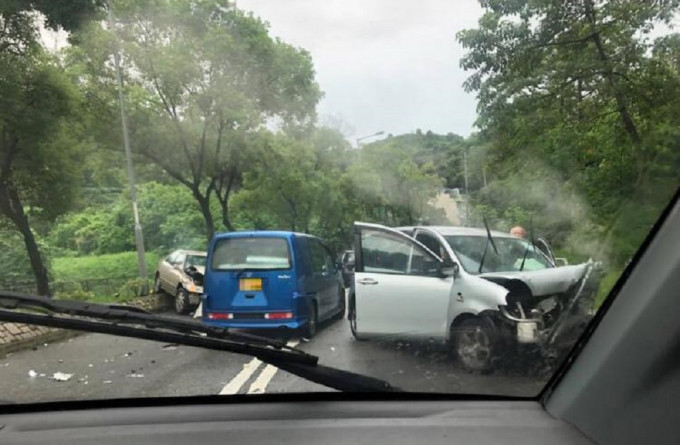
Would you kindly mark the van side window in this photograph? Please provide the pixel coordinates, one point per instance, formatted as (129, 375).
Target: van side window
(322, 262)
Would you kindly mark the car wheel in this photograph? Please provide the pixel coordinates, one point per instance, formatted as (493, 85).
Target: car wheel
(312, 324)
(182, 301)
(157, 284)
(352, 317)
(341, 305)
(474, 342)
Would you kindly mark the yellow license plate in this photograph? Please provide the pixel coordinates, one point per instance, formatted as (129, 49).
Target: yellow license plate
(250, 284)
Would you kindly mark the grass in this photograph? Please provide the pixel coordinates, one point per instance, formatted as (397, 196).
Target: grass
(606, 285)
(111, 266)
(102, 278)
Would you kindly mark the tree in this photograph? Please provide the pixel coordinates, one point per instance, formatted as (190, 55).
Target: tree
(38, 147)
(201, 76)
(68, 14)
(573, 90)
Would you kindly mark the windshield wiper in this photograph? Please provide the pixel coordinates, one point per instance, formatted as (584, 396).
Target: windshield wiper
(526, 250)
(489, 239)
(137, 323)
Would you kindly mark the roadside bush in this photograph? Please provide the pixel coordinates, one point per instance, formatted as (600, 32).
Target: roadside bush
(72, 291)
(133, 288)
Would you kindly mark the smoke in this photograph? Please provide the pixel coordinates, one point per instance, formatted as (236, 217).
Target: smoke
(548, 205)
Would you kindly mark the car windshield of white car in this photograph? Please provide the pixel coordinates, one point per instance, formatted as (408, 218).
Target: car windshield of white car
(514, 254)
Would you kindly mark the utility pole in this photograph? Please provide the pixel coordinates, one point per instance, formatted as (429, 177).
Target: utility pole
(139, 236)
(467, 197)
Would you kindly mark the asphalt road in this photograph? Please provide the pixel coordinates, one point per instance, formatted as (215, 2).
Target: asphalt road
(104, 366)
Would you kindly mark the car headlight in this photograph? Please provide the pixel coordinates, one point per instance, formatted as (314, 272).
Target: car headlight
(191, 287)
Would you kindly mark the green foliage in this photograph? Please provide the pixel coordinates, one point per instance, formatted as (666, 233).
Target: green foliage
(13, 257)
(111, 266)
(168, 213)
(73, 291)
(578, 110)
(200, 77)
(133, 288)
(67, 14)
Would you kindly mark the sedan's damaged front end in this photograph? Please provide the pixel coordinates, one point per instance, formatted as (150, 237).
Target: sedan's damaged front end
(542, 306)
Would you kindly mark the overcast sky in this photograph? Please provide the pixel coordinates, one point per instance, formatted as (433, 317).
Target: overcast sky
(384, 65)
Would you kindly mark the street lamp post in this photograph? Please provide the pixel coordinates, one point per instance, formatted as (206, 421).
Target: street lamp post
(139, 236)
(380, 133)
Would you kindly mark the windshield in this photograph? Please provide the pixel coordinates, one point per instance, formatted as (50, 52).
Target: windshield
(251, 253)
(513, 254)
(196, 260)
(331, 170)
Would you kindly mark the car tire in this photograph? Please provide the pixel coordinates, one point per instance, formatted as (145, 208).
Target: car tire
(312, 325)
(474, 342)
(352, 317)
(342, 305)
(182, 304)
(157, 289)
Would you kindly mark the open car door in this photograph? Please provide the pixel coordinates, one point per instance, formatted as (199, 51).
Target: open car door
(401, 287)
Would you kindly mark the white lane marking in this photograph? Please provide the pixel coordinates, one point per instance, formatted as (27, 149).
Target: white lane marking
(259, 386)
(241, 378)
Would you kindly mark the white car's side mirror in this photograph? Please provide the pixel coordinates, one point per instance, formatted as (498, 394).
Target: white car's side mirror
(450, 270)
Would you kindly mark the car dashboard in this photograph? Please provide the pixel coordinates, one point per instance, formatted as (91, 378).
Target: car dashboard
(299, 423)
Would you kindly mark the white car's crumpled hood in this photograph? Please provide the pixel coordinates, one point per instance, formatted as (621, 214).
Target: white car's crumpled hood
(547, 281)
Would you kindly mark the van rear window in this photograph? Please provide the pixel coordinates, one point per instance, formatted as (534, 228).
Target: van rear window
(251, 253)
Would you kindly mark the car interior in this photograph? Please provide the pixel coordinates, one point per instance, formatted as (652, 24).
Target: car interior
(620, 385)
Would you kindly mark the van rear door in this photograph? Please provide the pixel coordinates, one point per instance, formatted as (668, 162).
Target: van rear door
(250, 275)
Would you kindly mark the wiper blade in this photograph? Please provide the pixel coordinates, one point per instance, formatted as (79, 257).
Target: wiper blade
(489, 239)
(136, 323)
(526, 250)
(129, 314)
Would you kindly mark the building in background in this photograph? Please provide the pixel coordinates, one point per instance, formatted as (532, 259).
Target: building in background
(452, 202)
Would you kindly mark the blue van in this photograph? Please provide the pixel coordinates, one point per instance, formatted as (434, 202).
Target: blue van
(268, 280)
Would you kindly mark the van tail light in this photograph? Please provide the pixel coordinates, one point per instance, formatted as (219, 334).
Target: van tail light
(218, 316)
(278, 315)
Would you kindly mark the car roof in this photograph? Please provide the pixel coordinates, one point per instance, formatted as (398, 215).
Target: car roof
(193, 252)
(262, 233)
(458, 230)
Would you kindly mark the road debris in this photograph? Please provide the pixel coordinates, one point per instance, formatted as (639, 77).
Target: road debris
(332, 348)
(90, 365)
(32, 374)
(61, 377)
(137, 376)
(304, 340)
(106, 382)
(170, 347)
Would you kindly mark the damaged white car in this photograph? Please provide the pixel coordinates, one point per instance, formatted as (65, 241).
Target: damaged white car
(483, 291)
